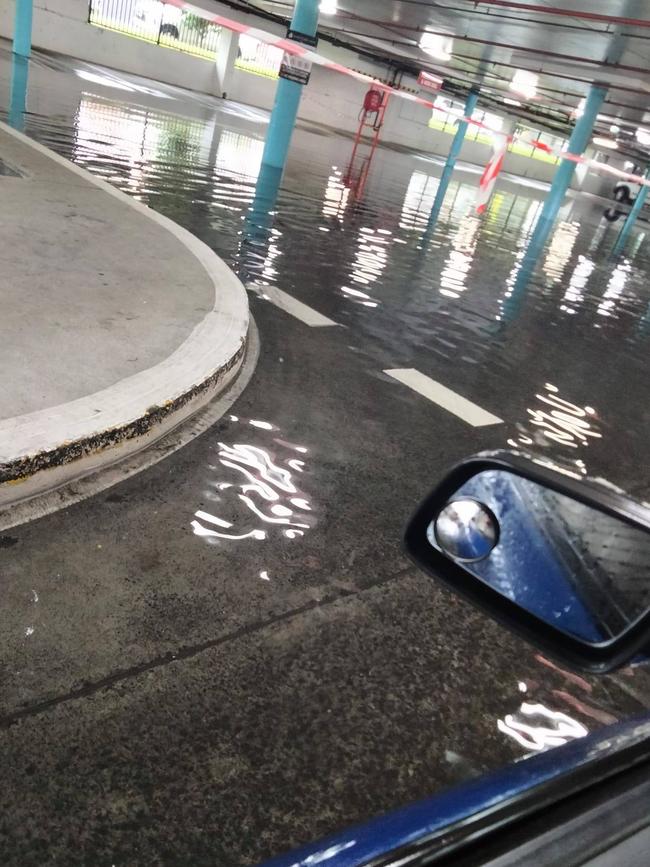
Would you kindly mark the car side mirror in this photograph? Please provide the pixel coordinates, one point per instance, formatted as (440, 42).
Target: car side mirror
(561, 562)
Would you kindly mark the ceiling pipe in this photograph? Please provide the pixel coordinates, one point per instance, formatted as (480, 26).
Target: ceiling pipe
(566, 13)
(521, 48)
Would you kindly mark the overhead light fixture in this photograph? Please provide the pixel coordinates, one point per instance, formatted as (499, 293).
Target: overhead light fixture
(602, 142)
(643, 136)
(525, 83)
(437, 46)
(328, 7)
(614, 128)
(509, 101)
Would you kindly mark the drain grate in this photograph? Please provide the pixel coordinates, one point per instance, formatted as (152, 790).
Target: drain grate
(8, 171)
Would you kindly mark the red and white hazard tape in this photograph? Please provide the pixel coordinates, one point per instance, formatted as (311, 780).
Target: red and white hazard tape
(300, 50)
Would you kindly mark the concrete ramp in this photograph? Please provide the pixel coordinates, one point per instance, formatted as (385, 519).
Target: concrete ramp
(116, 324)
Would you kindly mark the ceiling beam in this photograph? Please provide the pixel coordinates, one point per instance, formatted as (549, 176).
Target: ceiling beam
(567, 13)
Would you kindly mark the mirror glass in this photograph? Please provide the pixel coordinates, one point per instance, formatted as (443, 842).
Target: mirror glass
(575, 567)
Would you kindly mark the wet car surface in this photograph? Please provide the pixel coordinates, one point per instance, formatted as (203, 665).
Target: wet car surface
(228, 654)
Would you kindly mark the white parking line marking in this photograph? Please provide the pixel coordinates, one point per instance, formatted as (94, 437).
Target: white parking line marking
(444, 397)
(289, 304)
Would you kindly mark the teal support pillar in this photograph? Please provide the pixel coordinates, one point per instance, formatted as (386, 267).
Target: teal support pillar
(448, 170)
(562, 180)
(631, 218)
(18, 92)
(23, 28)
(288, 93)
(563, 176)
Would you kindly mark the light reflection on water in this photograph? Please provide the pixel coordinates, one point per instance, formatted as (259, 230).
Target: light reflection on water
(537, 728)
(450, 294)
(254, 491)
(560, 249)
(556, 422)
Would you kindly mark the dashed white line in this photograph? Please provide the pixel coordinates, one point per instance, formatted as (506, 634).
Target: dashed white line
(424, 385)
(285, 302)
(444, 397)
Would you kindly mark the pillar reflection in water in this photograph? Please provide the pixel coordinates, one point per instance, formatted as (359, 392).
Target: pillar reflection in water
(258, 232)
(448, 170)
(18, 95)
(554, 265)
(561, 182)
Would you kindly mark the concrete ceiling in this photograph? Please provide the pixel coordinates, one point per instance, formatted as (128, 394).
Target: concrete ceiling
(570, 44)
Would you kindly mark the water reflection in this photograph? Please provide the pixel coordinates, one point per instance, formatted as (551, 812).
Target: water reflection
(370, 261)
(454, 274)
(336, 196)
(418, 201)
(615, 288)
(204, 171)
(560, 249)
(536, 727)
(557, 422)
(254, 492)
(575, 292)
(133, 142)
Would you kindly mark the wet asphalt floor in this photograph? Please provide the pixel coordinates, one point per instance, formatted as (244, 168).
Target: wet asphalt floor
(175, 692)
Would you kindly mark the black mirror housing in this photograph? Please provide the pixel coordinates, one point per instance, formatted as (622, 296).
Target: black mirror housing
(548, 505)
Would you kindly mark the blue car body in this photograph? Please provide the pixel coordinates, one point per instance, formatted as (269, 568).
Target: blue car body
(472, 802)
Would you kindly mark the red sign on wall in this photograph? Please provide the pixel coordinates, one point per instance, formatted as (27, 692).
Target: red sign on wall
(430, 82)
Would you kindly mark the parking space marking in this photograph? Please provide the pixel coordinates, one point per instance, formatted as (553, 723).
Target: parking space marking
(444, 397)
(285, 302)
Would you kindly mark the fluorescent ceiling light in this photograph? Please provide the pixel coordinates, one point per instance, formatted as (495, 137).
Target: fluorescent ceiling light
(643, 136)
(605, 142)
(614, 128)
(525, 83)
(437, 46)
(509, 101)
(328, 7)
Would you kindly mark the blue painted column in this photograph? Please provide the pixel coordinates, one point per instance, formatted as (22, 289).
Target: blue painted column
(631, 218)
(23, 28)
(288, 93)
(18, 93)
(562, 180)
(454, 152)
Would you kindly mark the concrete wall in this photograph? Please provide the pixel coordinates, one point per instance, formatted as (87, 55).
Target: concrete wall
(62, 26)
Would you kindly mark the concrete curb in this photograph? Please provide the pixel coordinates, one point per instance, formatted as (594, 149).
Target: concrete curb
(44, 449)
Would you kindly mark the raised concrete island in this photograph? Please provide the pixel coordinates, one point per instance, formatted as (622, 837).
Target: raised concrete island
(116, 323)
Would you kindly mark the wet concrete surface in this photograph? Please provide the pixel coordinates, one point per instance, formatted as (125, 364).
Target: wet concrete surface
(273, 737)
(228, 654)
(129, 567)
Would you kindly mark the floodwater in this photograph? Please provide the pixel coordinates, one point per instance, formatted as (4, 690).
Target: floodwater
(295, 500)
